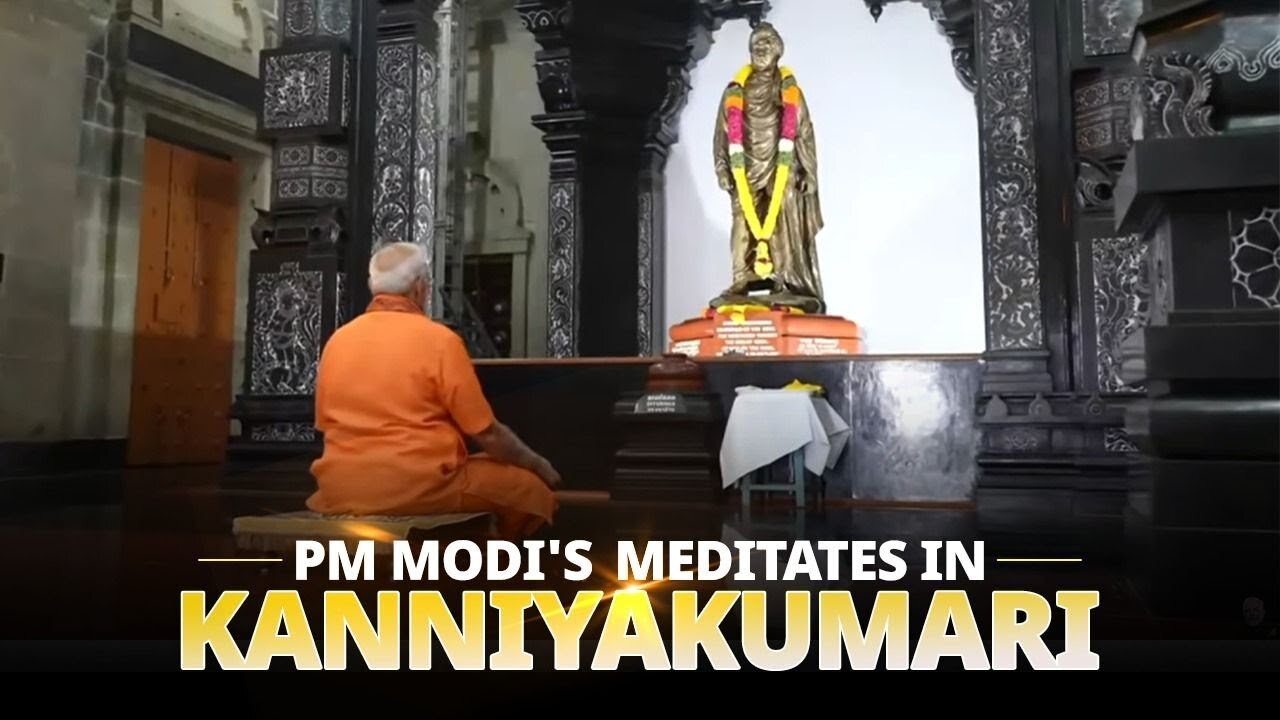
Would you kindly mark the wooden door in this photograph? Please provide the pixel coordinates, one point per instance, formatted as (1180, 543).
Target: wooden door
(185, 315)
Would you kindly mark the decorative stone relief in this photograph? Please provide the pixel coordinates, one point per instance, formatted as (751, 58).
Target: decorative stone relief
(1231, 59)
(283, 432)
(1117, 440)
(286, 331)
(1108, 25)
(341, 297)
(538, 19)
(1101, 108)
(304, 18)
(310, 173)
(644, 294)
(562, 274)
(1011, 221)
(1173, 98)
(1019, 439)
(297, 90)
(393, 151)
(956, 21)
(1255, 259)
(1121, 297)
(425, 150)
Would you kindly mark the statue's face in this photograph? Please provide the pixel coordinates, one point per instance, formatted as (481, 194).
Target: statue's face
(766, 49)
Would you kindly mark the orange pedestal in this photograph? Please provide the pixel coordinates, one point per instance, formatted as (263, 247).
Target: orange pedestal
(765, 333)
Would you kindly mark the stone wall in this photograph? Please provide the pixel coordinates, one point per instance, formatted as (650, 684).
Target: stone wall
(73, 126)
(105, 212)
(55, 136)
(516, 145)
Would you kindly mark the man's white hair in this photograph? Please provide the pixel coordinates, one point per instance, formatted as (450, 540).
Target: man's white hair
(395, 267)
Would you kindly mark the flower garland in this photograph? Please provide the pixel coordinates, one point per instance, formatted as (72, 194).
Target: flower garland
(762, 232)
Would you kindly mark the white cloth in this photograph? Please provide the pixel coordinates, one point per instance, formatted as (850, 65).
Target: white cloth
(767, 425)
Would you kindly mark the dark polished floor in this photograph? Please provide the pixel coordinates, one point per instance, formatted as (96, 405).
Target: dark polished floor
(94, 579)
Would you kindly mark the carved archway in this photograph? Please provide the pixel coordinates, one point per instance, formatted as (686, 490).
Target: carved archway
(955, 19)
(588, 113)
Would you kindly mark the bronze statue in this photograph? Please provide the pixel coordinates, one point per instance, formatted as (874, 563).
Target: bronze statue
(767, 160)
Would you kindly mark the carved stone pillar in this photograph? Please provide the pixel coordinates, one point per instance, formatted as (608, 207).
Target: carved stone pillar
(1016, 419)
(1063, 289)
(1201, 190)
(651, 216)
(398, 145)
(1112, 299)
(613, 77)
(549, 21)
(662, 133)
(297, 284)
(1016, 353)
(411, 127)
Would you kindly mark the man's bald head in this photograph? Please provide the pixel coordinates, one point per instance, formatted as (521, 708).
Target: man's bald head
(399, 269)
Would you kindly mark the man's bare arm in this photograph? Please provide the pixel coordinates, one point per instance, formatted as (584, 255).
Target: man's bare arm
(504, 446)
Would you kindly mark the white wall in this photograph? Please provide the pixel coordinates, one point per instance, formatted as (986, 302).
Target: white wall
(901, 253)
(516, 145)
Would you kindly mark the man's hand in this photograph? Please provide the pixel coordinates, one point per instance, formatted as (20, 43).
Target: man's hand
(544, 470)
(806, 185)
(726, 183)
(502, 445)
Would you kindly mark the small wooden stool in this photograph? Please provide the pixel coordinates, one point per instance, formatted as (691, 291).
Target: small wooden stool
(277, 534)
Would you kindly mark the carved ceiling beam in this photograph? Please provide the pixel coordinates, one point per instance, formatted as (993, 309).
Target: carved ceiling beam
(613, 77)
(753, 11)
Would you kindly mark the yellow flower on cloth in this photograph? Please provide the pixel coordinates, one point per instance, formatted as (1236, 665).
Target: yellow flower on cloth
(803, 386)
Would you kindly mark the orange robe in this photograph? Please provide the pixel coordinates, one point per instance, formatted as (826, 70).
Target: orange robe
(396, 393)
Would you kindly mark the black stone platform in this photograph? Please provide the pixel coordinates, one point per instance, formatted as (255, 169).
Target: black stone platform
(911, 417)
(1202, 189)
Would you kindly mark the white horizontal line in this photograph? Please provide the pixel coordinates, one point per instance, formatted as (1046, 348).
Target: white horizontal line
(241, 560)
(1040, 560)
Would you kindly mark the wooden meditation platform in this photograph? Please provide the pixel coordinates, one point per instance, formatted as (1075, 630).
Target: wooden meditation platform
(277, 534)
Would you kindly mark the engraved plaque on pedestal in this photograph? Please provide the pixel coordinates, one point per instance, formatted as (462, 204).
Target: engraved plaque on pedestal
(761, 332)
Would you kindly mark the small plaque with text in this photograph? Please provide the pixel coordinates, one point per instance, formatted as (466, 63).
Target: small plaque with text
(660, 403)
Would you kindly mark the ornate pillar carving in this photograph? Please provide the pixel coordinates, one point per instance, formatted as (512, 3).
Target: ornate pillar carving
(367, 151)
(410, 158)
(297, 281)
(399, 144)
(1063, 289)
(1010, 211)
(1112, 295)
(613, 78)
(562, 127)
(661, 134)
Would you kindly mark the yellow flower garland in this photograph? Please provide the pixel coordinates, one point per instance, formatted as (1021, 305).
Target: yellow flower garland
(763, 232)
(738, 313)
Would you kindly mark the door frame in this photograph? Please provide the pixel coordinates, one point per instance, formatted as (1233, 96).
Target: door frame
(193, 184)
(154, 106)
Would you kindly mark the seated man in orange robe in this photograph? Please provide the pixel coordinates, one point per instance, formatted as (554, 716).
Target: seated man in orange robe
(396, 396)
